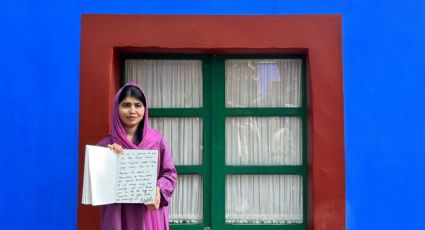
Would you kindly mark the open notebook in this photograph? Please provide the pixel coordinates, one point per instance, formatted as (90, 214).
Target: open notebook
(129, 177)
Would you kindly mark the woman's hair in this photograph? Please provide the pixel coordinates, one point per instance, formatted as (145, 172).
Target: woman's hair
(133, 91)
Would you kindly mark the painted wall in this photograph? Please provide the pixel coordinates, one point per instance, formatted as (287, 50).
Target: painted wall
(383, 52)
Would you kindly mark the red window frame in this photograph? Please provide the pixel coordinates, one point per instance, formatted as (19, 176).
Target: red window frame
(105, 37)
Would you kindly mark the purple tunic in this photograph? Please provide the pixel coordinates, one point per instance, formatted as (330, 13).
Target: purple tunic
(138, 216)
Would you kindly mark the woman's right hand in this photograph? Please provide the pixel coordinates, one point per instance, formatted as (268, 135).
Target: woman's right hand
(116, 148)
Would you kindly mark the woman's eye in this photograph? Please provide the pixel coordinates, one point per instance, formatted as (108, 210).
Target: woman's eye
(139, 105)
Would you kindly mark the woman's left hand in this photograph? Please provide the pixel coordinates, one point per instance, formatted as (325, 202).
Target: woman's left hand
(155, 204)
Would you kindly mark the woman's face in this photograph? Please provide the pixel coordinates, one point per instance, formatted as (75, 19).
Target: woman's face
(131, 112)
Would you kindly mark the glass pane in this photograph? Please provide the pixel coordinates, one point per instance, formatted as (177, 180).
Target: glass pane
(168, 83)
(184, 136)
(268, 199)
(187, 201)
(263, 141)
(263, 83)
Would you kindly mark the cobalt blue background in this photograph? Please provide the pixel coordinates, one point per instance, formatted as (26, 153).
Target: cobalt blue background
(384, 66)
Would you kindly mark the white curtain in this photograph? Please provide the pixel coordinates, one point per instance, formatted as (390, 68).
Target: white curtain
(268, 199)
(263, 141)
(168, 83)
(187, 203)
(260, 141)
(272, 199)
(184, 136)
(176, 84)
(263, 83)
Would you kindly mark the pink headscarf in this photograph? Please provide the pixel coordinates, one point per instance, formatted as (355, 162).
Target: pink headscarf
(119, 135)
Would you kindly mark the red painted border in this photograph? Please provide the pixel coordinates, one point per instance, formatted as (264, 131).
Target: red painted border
(105, 37)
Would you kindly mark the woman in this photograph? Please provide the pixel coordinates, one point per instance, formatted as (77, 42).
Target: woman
(130, 131)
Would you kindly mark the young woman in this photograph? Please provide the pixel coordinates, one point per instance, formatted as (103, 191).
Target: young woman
(130, 131)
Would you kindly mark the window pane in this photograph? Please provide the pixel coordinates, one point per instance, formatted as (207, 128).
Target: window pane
(187, 202)
(184, 136)
(268, 199)
(168, 83)
(263, 141)
(265, 83)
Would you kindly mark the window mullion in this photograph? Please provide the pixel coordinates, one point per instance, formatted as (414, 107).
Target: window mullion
(218, 142)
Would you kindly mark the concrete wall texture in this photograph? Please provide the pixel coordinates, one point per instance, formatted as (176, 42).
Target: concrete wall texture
(383, 56)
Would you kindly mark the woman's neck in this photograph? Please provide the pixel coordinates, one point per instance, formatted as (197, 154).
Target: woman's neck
(132, 135)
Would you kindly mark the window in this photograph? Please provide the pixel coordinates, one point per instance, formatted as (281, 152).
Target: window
(236, 127)
(105, 38)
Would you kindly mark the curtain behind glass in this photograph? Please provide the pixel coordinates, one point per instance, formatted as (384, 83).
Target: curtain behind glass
(184, 135)
(263, 83)
(186, 205)
(168, 83)
(263, 141)
(268, 199)
(176, 84)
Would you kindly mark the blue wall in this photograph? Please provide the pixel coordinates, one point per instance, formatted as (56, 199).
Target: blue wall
(383, 51)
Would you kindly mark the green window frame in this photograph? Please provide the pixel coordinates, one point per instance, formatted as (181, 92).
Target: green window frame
(213, 113)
